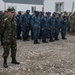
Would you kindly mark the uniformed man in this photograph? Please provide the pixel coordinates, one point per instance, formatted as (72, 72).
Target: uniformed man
(41, 14)
(52, 28)
(45, 27)
(31, 24)
(26, 25)
(36, 27)
(64, 27)
(49, 18)
(72, 22)
(18, 26)
(1, 18)
(9, 37)
(57, 26)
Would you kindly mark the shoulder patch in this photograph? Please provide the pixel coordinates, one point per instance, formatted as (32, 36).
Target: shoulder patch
(5, 19)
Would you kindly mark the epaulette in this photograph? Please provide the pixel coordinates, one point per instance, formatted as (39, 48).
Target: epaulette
(5, 19)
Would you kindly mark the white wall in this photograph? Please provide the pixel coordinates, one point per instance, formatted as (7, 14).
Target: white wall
(49, 5)
(24, 7)
(1, 5)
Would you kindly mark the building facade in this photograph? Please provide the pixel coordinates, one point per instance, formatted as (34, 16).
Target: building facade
(22, 5)
(59, 5)
(2, 5)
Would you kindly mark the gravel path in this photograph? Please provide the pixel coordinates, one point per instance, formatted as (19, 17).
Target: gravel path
(56, 58)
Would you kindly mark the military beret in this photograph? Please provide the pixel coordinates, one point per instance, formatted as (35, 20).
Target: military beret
(10, 9)
(27, 11)
(19, 12)
(41, 12)
(49, 12)
(53, 14)
(37, 11)
(34, 11)
(46, 12)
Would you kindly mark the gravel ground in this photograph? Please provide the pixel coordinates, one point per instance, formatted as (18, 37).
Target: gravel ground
(56, 58)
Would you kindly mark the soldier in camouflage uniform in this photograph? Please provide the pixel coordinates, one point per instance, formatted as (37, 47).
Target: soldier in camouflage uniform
(1, 19)
(9, 37)
(72, 25)
(69, 20)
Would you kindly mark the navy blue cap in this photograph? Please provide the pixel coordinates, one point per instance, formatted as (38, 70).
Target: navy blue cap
(28, 11)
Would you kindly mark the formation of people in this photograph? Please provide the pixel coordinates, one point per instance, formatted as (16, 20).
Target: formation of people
(41, 25)
(38, 25)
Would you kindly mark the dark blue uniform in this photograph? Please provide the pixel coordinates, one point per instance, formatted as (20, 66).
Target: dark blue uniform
(64, 27)
(35, 22)
(57, 27)
(52, 28)
(41, 17)
(45, 27)
(25, 26)
(31, 26)
(18, 27)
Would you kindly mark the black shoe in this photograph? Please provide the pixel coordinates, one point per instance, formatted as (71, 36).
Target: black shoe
(27, 39)
(1, 44)
(24, 40)
(64, 38)
(51, 40)
(38, 42)
(18, 38)
(14, 61)
(35, 42)
(5, 65)
(44, 41)
(56, 39)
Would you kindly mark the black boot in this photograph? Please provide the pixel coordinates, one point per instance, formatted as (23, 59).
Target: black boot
(45, 41)
(1, 40)
(64, 38)
(5, 63)
(14, 61)
(1, 44)
(56, 39)
(51, 40)
(38, 42)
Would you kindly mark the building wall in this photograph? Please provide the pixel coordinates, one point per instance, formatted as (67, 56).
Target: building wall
(24, 7)
(1, 5)
(49, 5)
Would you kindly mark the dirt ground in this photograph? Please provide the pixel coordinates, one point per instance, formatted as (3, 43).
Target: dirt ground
(56, 58)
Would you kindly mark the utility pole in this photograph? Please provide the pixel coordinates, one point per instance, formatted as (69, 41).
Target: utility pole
(72, 6)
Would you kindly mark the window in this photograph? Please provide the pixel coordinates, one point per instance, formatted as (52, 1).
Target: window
(59, 7)
(33, 9)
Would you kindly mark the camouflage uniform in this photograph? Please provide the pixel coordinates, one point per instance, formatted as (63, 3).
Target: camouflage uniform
(9, 37)
(72, 23)
(0, 21)
(1, 27)
(69, 21)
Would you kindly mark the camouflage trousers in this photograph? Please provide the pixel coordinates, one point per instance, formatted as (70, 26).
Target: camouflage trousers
(72, 27)
(9, 46)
